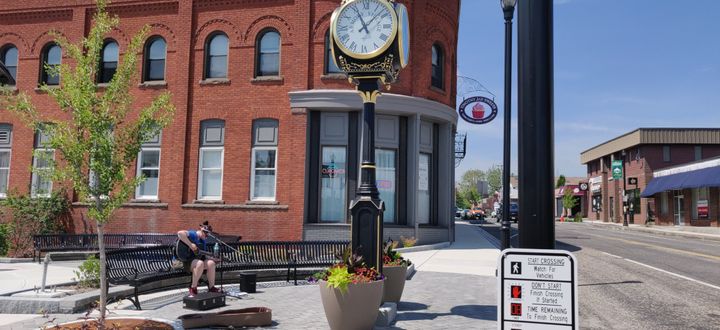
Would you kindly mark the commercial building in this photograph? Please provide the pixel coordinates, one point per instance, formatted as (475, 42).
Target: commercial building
(655, 159)
(265, 141)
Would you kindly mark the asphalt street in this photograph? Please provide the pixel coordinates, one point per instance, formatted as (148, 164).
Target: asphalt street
(635, 280)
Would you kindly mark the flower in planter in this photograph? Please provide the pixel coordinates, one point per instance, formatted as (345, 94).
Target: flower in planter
(392, 257)
(350, 269)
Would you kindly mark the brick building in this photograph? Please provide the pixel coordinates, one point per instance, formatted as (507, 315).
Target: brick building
(265, 141)
(647, 153)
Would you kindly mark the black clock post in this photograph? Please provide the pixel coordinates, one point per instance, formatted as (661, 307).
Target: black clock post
(367, 209)
(371, 57)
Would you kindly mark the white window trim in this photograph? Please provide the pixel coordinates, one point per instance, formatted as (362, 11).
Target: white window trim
(9, 151)
(36, 177)
(200, 173)
(252, 175)
(138, 173)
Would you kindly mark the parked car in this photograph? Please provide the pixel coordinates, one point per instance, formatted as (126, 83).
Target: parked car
(458, 212)
(466, 214)
(514, 211)
(477, 213)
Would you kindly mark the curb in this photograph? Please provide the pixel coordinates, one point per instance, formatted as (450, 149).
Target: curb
(659, 231)
(494, 241)
(418, 248)
(7, 260)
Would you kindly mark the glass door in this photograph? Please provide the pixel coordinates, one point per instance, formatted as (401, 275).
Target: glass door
(332, 190)
(679, 209)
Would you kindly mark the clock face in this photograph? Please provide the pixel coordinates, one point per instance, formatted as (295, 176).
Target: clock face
(365, 28)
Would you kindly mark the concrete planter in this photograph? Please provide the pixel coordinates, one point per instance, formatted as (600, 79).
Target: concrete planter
(356, 309)
(394, 282)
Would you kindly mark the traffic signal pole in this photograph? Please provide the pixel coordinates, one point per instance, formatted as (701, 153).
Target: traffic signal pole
(536, 221)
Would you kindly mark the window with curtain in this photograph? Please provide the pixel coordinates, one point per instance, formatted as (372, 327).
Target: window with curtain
(109, 61)
(386, 181)
(438, 62)
(155, 59)
(148, 166)
(50, 61)
(264, 159)
(210, 176)
(9, 57)
(41, 183)
(700, 201)
(330, 66)
(216, 56)
(5, 152)
(268, 54)
(332, 184)
(423, 188)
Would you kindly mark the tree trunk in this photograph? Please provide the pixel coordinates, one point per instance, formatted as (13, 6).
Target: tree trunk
(103, 275)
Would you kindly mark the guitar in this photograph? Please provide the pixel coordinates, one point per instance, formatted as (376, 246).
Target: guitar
(184, 253)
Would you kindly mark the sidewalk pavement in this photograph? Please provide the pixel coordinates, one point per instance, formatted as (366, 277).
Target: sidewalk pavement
(453, 288)
(711, 233)
(21, 276)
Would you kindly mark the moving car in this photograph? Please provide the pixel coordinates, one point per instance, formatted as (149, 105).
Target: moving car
(477, 213)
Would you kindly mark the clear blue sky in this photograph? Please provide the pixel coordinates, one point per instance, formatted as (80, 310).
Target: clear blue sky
(619, 65)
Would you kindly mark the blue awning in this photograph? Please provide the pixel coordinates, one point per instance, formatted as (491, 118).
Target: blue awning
(706, 177)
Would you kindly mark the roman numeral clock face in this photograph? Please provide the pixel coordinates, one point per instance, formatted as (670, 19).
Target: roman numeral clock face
(365, 28)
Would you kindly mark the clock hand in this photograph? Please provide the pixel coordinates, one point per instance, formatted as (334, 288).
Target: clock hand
(370, 21)
(361, 21)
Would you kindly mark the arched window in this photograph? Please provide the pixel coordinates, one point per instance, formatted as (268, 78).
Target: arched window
(108, 61)
(216, 52)
(9, 57)
(155, 59)
(330, 66)
(268, 54)
(438, 62)
(50, 61)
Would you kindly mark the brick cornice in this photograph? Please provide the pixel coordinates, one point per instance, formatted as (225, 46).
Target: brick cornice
(24, 17)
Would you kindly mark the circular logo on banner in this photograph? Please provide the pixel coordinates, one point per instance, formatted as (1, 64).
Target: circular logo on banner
(583, 186)
(483, 110)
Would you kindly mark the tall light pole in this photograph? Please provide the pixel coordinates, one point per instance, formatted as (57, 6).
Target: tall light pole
(624, 193)
(508, 7)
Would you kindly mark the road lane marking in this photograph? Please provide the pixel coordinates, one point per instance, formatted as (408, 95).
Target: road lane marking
(696, 254)
(664, 271)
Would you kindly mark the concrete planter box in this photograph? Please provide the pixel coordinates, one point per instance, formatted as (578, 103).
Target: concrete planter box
(394, 282)
(356, 309)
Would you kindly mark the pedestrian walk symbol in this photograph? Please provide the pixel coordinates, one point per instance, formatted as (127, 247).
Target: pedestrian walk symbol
(515, 267)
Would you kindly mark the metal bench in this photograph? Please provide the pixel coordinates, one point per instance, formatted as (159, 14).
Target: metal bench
(139, 266)
(89, 242)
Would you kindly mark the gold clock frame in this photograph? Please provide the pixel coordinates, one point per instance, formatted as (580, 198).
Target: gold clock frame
(376, 53)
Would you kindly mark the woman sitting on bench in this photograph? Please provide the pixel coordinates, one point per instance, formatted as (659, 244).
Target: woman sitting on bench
(196, 260)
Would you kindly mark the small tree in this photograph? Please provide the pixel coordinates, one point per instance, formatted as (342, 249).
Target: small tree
(470, 179)
(494, 178)
(568, 201)
(560, 181)
(100, 132)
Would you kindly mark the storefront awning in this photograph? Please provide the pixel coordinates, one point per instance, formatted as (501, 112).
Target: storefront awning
(706, 177)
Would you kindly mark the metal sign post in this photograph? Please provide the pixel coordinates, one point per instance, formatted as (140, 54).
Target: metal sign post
(537, 289)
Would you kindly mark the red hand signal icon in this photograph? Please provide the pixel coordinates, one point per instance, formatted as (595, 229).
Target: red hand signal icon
(516, 291)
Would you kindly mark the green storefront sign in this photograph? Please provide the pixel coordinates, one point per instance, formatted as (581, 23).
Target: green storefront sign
(617, 169)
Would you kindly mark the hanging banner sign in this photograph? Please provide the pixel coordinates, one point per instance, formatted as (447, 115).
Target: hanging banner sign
(617, 169)
(479, 113)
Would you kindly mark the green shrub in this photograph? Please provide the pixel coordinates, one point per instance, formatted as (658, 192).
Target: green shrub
(4, 238)
(88, 273)
(29, 216)
(578, 217)
(408, 241)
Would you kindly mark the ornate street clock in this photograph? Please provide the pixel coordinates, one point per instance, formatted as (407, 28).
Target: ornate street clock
(371, 43)
(370, 38)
